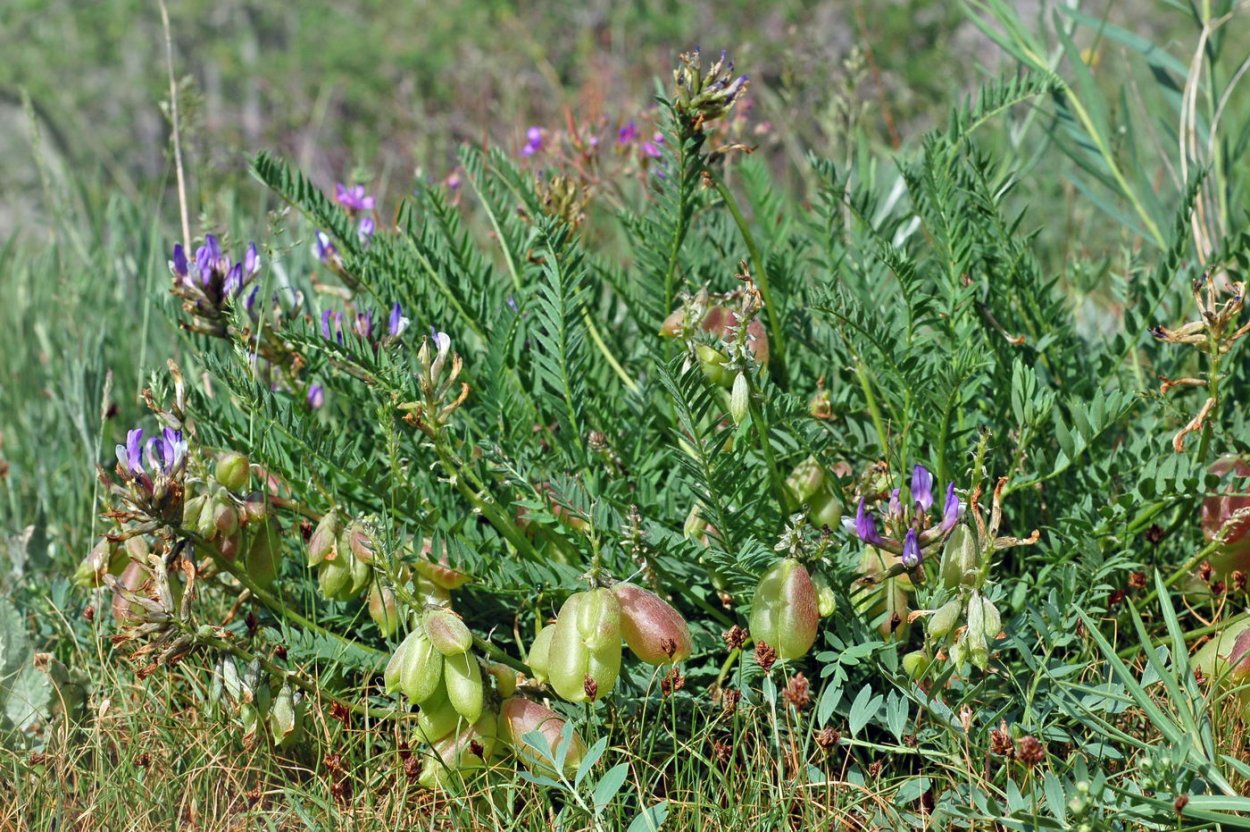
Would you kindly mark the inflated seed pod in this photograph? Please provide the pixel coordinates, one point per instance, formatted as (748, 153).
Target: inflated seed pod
(262, 556)
(825, 509)
(232, 471)
(504, 676)
(192, 510)
(519, 716)
(785, 613)
(441, 575)
(654, 631)
(384, 609)
(415, 668)
(132, 578)
(448, 633)
(361, 575)
(286, 717)
(459, 754)
(944, 620)
(323, 545)
(826, 600)
(960, 562)
(436, 717)
(540, 654)
(463, 677)
(334, 579)
(804, 482)
(584, 658)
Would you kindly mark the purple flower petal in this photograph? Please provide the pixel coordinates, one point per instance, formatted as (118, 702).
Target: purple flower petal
(912, 556)
(866, 525)
(922, 488)
(316, 397)
(896, 505)
(627, 133)
(134, 450)
(952, 509)
(234, 280)
(251, 260)
(179, 264)
(397, 323)
(366, 230)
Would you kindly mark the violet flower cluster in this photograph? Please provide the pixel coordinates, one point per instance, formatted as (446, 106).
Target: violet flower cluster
(911, 531)
(363, 325)
(208, 281)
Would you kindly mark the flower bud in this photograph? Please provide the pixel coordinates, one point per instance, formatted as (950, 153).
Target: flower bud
(585, 652)
(785, 613)
(384, 609)
(539, 655)
(262, 557)
(944, 620)
(463, 676)
(519, 717)
(323, 545)
(655, 632)
(447, 632)
(232, 471)
(821, 405)
(361, 575)
(961, 562)
(740, 399)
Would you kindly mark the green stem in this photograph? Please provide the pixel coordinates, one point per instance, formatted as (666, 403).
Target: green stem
(870, 399)
(775, 330)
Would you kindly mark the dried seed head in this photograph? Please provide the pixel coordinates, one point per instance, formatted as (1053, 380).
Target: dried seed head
(591, 687)
(1030, 751)
(735, 637)
(827, 738)
(798, 692)
(1000, 741)
(765, 656)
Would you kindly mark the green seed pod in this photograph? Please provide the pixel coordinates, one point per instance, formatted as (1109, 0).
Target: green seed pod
(392, 676)
(585, 653)
(655, 632)
(132, 578)
(441, 575)
(960, 560)
(206, 522)
(92, 569)
(262, 557)
(826, 509)
(230, 547)
(437, 717)
(807, 478)
(334, 579)
(359, 541)
(232, 471)
(463, 677)
(430, 593)
(225, 517)
(384, 609)
(192, 510)
(712, 363)
(469, 751)
(447, 632)
(944, 620)
(982, 616)
(361, 575)
(504, 676)
(539, 655)
(422, 670)
(323, 545)
(284, 717)
(785, 613)
(740, 399)
(826, 600)
(518, 717)
(915, 664)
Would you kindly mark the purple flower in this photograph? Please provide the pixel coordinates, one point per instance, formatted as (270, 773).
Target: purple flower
(329, 332)
(178, 265)
(628, 133)
(896, 505)
(912, 556)
(366, 230)
(866, 525)
(316, 397)
(251, 260)
(353, 198)
(323, 247)
(234, 280)
(652, 148)
(208, 258)
(452, 182)
(364, 325)
(922, 488)
(249, 302)
(166, 452)
(534, 141)
(130, 455)
(950, 511)
(397, 323)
